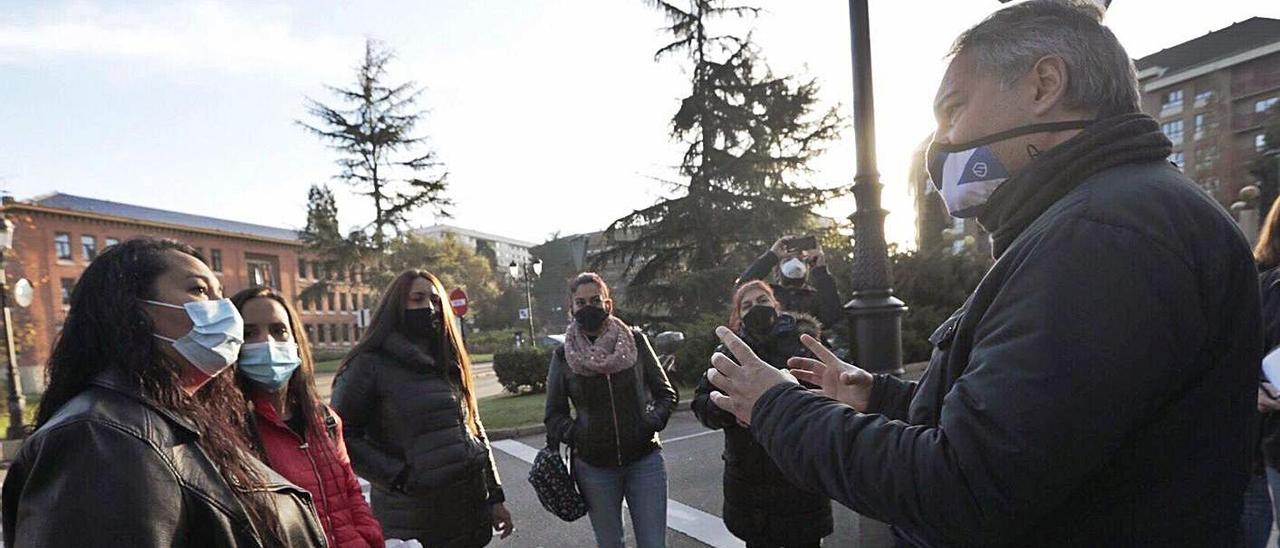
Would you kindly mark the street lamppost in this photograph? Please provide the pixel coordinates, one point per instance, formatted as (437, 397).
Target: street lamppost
(17, 426)
(527, 270)
(875, 314)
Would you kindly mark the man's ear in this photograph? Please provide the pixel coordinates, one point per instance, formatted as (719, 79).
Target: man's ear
(608, 306)
(1050, 79)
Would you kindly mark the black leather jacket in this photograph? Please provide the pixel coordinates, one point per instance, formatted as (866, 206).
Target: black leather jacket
(404, 419)
(618, 416)
(111, 468)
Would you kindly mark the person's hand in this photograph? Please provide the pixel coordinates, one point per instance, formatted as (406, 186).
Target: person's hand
(780, 248)
(741, 385)
(817, 258)
(834, 378)
(1266, 402)
(502, 520)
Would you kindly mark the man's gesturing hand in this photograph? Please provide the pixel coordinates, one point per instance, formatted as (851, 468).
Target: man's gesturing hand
(741, 385)
(834, 378)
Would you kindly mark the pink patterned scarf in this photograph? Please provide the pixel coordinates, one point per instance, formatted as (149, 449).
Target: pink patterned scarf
(613, 351)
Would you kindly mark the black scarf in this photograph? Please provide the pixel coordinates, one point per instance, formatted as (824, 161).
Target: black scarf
(1110, 142)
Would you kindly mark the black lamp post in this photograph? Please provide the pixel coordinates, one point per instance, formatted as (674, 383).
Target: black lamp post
(875, 314)
(528, 270)
(17, 424)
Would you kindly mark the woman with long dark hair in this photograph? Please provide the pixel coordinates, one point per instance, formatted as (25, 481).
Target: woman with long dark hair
(412, 424)
(1260, 506)
(621, 398)
(760, 506)
(292, 430)
(137, 442)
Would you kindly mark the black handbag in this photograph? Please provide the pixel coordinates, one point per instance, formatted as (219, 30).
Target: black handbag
(555, 486)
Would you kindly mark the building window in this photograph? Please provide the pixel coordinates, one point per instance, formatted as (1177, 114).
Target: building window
(1210, 185)
(1172, 102)
(88, 247)
(333, 332)
(342, 301)
(1204, 97)
(329, 297)
(62, 246)
(346, 333)
(1264, 104)
(215, 260)
(262, 271)
(1206, 156)
(1205, 124)
(110, 242)
(1260, 142)
(342, 275)
(302, 268)
(1173, 130)
(67, 284)
(1177, 159)
(320, 333)
(364, 300)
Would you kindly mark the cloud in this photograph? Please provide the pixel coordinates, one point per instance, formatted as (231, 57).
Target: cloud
(207, 35)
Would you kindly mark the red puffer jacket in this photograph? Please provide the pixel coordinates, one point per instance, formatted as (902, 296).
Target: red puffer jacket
(320, 465)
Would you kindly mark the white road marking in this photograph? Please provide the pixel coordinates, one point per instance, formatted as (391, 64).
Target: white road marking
(707, 528)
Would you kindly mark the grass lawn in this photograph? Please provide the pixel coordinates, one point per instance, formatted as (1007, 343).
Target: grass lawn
(481, 358)
(509, 411)
(328, 366)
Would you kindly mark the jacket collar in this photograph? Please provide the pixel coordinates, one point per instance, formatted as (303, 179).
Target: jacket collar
(119, 381)
(404, 351)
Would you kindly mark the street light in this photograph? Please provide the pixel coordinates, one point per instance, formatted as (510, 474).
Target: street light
(17, 426)
(875, 314)
(527, 270)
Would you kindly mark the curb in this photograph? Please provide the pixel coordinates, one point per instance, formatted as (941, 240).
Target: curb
(539, 428)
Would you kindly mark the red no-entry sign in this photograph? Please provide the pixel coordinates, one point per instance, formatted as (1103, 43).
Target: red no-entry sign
(458, 300)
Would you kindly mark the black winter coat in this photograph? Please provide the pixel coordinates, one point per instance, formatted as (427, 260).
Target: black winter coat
(618, 416)
(760, 505)
(112, 468)
(818, 297)
(1098, 388)
(404, 414)
(1269, 427)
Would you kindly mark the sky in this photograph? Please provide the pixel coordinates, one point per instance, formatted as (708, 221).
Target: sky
(552, 116)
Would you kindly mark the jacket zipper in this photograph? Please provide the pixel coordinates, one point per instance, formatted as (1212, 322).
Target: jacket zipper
(324, 499)
(613, 408)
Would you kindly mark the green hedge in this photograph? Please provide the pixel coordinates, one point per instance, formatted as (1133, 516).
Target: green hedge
(491, 342)
(518, 368)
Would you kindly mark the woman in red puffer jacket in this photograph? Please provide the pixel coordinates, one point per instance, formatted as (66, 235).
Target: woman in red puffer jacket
(296, 434)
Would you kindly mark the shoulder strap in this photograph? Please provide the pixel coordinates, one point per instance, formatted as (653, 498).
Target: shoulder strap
(330, 422)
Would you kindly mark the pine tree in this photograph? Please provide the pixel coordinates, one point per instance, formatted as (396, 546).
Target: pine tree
(750, 136)
(379, 154)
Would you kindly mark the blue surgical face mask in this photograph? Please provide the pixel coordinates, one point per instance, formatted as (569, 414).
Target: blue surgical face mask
(967, 174)
(269, 364)
(217, 331)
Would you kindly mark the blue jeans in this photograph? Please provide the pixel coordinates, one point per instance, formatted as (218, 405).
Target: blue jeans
(1256, 519)
(643, 483)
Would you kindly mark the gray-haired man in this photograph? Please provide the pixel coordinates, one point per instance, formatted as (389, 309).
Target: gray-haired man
(1097, 388)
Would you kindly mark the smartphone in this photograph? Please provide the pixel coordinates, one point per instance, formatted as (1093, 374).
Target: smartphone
(803, 243)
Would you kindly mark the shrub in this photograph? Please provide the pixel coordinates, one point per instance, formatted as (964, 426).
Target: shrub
(491, 342)
(522, 367)
(694, 356)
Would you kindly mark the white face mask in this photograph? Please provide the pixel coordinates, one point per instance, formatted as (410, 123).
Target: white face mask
(794, 269)
(217, 332)
(967, 174)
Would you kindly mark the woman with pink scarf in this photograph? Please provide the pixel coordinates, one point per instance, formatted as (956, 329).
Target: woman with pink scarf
(622, 399)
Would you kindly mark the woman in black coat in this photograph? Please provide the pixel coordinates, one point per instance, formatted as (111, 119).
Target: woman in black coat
(412, 425)
(760, 506)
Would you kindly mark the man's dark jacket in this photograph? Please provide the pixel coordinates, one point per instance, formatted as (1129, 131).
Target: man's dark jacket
(1097, 389)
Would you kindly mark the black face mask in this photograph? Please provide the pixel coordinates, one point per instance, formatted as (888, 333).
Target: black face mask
(590, 318)
(759, 320)
(421, 324)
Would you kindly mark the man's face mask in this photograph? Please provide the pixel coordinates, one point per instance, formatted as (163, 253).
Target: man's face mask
(966, 174)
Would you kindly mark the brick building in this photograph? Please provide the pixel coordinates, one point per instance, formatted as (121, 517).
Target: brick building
(1210, 95)
(56, 236)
